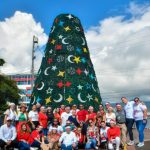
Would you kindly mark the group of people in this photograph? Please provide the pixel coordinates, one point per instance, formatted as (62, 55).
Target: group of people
(70, 127)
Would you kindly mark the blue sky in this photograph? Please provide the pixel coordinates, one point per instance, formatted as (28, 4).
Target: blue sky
(90, 12)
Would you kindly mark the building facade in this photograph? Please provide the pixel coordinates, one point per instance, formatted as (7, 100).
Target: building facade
(23, 82)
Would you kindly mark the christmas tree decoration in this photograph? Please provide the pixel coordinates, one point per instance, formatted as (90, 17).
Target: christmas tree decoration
(66, 75)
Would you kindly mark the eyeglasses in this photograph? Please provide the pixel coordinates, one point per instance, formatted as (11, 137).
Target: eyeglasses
(136, 100)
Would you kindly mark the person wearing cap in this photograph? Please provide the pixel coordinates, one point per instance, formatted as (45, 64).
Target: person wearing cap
(37, 137)
(53, 138)
(140, 116)
(68, 140)
(110, 115)
(121, 123)
(81, 114)
(113, 134)
(22, 116)
(8, 135)
(65, 115)
(107, 105)
(11, 113)
(43, 119)
(128, 108)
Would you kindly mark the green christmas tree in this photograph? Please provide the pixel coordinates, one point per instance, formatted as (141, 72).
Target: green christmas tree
(66, 75)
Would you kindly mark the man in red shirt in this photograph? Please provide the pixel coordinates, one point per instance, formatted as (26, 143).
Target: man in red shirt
(81, 114)
(43, 119)
(113, 134)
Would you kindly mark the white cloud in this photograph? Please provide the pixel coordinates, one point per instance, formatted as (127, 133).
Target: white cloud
(120, 53)
(16, 35)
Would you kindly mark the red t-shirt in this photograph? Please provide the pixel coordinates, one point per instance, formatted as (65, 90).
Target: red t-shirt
(23, 136)
(57, 116)
(43, 119)
(82, 115)
(113, 132)
(61, 111)
(91, 116)
(35, 134)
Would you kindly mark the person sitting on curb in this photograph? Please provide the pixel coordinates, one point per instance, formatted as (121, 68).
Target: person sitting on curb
(8, 135)
(113, 134)
(68, 140)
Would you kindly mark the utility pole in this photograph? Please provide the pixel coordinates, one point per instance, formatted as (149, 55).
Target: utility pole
(35, 41)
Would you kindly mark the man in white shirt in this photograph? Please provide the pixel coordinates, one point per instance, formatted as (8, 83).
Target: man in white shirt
(65, 115)
(140, 116)
(68, 139)
(129, 112)
(7, 134)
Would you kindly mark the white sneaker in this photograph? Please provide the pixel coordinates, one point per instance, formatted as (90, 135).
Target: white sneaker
(140, 144)
(130, 143)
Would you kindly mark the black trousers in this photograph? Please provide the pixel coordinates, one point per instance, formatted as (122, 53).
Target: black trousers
(129, 124)
(3, 143)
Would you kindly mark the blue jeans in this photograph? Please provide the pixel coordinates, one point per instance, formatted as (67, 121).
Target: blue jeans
(45, 131)
(23, 146)
(129, 124)
(64, 147)
(91, 144)
(140, 127)
(36, 144)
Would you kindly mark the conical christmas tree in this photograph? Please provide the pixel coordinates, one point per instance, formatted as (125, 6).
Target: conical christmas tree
(66, 75)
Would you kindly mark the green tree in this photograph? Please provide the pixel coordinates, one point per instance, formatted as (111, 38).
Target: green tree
(66, 75)
(8, 90)
(2, 61)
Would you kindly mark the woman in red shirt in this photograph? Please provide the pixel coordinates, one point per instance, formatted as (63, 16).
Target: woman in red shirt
(53, 138)
(113, 134)
(23, 137)
(37, 137)
(91, 115)
(43, 119)
(57, 114)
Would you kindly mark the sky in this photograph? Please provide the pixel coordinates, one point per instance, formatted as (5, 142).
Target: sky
(117, 32)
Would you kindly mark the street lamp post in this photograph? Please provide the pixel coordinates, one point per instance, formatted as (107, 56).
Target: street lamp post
(35, 41)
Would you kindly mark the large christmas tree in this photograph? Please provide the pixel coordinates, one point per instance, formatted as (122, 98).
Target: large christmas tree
(66, 75)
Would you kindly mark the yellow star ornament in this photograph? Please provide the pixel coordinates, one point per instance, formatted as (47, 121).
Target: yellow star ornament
(53, 41)
(61, 73)
(69, 99)
(84, 50)
(67, 28)
(48, 100)
(96, 99)
(77, 59)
